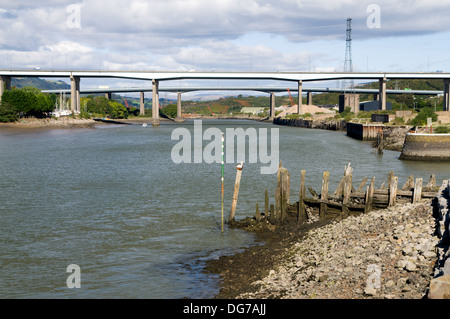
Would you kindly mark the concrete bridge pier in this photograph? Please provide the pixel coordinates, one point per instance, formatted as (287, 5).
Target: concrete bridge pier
(5, 84)
(382, 95)
(179, 117)
(75, 104)
(142, 105)
(309, 98)
(272, 106)
(155, 103)
(300, 102)
(446, 102)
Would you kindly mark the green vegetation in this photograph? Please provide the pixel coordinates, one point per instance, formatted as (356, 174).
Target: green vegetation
(424, 114)
(442, 129)
(169, 110)
(100, 106)
(25, 102)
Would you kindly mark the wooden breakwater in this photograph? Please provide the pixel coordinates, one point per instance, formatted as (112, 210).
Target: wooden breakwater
(346, 200)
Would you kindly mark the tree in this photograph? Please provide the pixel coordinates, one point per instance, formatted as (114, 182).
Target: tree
(170, 110)
(118, 111)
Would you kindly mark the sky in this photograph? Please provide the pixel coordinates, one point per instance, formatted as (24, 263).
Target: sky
(224, 35)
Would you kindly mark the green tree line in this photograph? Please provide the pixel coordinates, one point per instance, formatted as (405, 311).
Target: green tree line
(25, 102)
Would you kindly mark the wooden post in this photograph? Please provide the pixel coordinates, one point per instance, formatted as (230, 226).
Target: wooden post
(389, 179)
(369, 196)
(301, 204)
(236, 192)
(417, 193)
(324, 194)
(347, 192)
(393, 191)
(360, 187)
(409, 183)
(257, 214)
(284, 192)
(432, 181)
(266, 204)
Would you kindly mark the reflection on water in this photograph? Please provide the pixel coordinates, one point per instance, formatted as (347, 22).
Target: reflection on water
(112, 201)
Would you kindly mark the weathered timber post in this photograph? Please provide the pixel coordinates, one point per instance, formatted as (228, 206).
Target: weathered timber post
(393, 191)
(301, 217)
(340, 189)
(432, 181)
(369, 196)
(417, 193)
(360, 187)
(266, 204)
(409, 183)
(324, 195)
(257, 214)
(347, 192)
(236, 191)
(284, 192)
(389, 178)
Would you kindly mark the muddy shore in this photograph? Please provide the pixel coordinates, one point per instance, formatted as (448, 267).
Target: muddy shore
(332, 260)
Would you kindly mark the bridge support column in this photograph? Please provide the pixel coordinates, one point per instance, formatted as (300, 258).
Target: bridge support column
(272, 106)
(179, 117)
(300, 102)
(75, 105)
(446, 102)
(142, 105)
(108, 95)
(155, 103)
(309, 98)
(5, 84)
(382, 95)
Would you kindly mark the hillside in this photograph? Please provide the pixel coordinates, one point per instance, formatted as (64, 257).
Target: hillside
(39, 83)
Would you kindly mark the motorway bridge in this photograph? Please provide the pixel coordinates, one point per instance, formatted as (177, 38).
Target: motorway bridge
(158, 76)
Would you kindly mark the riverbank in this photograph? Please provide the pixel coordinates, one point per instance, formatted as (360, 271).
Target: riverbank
(63, 122)
(385, 254)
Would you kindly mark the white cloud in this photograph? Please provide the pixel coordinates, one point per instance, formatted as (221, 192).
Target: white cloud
(204, 34)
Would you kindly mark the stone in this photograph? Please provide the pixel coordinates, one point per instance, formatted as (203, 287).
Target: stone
(440, 288)
(390, 284)
(370, 291)
(410, 266)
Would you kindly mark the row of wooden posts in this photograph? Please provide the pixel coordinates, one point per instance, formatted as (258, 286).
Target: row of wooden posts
(345, 201)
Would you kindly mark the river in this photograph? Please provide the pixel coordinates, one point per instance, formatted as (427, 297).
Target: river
(111, 200)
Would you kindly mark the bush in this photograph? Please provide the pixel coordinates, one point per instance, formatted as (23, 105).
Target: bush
(424, 114)
(442, 129)
(7, 114)
(398, 121)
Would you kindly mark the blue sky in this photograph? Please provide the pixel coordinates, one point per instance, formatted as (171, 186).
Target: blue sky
(225, 35)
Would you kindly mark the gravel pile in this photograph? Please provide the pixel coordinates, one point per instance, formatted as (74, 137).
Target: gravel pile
(386, 254)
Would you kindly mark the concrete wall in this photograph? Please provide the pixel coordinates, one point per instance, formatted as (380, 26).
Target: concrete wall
(427, 147)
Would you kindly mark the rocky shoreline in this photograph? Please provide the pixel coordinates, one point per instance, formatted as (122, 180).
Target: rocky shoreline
(385, 254)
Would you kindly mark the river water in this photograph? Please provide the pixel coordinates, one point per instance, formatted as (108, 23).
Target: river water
(111, 200)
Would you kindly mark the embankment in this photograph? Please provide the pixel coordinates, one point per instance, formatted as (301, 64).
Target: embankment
(426, 147)
(334, 125)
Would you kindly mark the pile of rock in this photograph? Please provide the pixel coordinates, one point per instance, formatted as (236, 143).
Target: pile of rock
(440, 285)
(388, 253)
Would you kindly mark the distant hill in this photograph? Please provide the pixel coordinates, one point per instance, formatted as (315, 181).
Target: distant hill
(39, 83)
